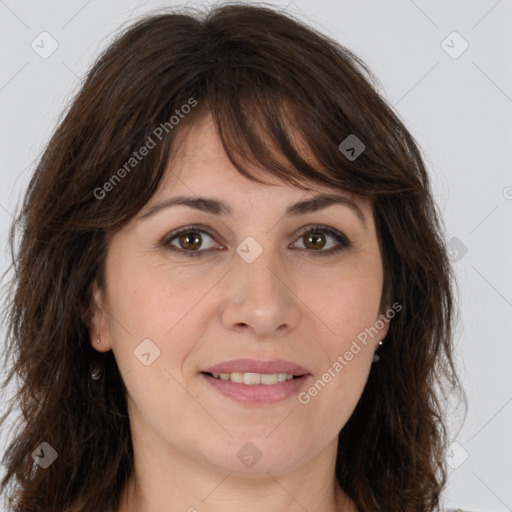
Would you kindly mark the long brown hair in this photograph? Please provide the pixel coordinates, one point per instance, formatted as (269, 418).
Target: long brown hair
(261, 73)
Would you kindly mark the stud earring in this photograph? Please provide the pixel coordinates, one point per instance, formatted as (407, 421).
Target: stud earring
(376, 357)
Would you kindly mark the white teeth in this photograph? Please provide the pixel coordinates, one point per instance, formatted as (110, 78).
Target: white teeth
(254, 378)
(237, 377)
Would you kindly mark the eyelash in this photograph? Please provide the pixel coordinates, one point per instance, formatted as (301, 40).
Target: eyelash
(343, 241)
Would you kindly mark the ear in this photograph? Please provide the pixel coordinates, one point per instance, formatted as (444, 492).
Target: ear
(98, 321)
(384, 331)
(382, 318)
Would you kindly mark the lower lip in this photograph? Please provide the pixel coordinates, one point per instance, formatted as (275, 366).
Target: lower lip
(257, 393)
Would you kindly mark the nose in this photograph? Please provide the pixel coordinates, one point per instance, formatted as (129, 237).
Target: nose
(258, 299)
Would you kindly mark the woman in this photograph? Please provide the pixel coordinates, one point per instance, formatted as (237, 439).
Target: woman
(232, 290)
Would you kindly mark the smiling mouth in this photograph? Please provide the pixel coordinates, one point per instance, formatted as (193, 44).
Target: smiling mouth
(253, 379)
(256, 389)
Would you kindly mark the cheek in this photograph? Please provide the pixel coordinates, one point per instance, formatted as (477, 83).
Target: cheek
(347, 295)
(337, 389)
(330, 400)
(349, 307)
(350, 310)
(151, 302)
(150, 299)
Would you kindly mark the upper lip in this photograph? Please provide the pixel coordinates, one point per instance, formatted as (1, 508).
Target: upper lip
(254, 366)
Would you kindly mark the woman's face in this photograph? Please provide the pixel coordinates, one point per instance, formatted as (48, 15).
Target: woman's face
(254, 285)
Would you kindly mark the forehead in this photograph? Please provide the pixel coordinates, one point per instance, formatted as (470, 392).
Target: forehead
(199, 165)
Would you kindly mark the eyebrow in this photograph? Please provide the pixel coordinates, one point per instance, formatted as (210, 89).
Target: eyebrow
(216, 207)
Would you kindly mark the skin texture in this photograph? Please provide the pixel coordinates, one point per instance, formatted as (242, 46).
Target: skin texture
(199, 311)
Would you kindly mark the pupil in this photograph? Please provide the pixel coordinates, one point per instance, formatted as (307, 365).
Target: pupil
(193, 245)
(313, 236)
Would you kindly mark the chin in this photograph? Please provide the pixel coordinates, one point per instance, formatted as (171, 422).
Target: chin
(257, 454)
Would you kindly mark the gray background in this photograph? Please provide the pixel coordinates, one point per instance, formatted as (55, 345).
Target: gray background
(458, 109)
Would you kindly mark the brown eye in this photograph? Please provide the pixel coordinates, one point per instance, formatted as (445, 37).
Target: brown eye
(314, 239)
(188, 241)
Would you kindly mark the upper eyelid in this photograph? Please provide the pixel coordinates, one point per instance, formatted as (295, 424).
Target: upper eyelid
(186, 229)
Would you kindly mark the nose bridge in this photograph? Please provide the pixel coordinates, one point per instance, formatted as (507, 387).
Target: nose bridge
(259, 297)
(255, 269)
